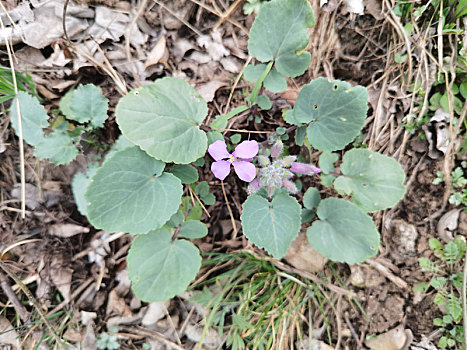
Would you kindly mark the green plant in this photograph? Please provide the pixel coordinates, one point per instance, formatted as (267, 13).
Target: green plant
(255, 306)
(446, 281)
(139, 187)
(85, 110)
(7, 89)
(108, 340)
(458, 184)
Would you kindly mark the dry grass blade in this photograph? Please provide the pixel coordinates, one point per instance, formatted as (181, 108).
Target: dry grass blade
(20, 124)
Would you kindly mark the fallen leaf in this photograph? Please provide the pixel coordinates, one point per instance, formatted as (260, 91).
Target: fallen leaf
(208, 90)
(116, 305)
(67, 230)
(448, 224)
(8, 334)
(155, 312)
(395, 339)
(301, 255)
(33, 195)
(61, 277)
(156, 53)
(213, 45)
(211, 338)
(354, 6)
(365, 277)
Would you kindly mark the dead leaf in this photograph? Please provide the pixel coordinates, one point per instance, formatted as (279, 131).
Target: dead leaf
(72, 335)
(8, 335)
(231, 64)
(33, 195)
(213, 45)
(211, 338)
(448, 224)
(67, 230)
(156, 53)
(155, 312)
(301, 255)
(117, 305)
(61, 277)
(181, 47)
(373, 7)
(208, 90)
(395, 339)
(354, 6)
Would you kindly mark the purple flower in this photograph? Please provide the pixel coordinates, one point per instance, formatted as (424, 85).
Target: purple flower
(240, 159)
(302, 168)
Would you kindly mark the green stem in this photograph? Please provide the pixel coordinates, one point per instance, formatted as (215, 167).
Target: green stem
(259, 82)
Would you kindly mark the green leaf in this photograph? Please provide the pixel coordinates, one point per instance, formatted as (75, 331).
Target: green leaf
(64, 104)
(307, 215)
(87, 104)
(374, 181)
(274, 81)
(186, 173)
(175, 220)
(160, 268)
(327, 180)
(33, 118)
(202, 190)
(58, 147)
(300, 134)
(336, 112)
(271, 225)
(193, 229)
(344, 233)
(164, 119)
(463, 89)
(311, 198)
(263, 102)
(326, 162)
(80, 184)
(130, 193)
(279, 33)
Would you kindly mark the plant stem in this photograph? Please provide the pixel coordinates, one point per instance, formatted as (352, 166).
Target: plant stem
(259, 82)
(464, 301)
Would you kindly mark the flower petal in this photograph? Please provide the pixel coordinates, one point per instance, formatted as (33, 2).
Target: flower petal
(221, 169)
(246, 149)
(245, 171)
(218, 150)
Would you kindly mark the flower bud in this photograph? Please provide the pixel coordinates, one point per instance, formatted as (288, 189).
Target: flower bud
(276, 149)
(263, 160)
(287, 161)
(302, 168)
(289, 186)
(254, 186)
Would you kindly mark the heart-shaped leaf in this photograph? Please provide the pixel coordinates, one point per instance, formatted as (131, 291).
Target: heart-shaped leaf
(279, 33)
(33, 118)
(335, 112)
(86, 104)
(374, 181)
(163, 119)
(130, 193)
(343, 233)
(193, 229)
(160, 268)
(58, 147)
(271, 225)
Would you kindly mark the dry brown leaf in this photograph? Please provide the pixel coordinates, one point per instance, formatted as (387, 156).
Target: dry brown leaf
(448, 224)
(155, 312)
(61, 277)
(395, 339)
(156, 53)
(301, 255)
(33, 195)
(8, 335)
(116, 305)
(208, 90)
(67, 230)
